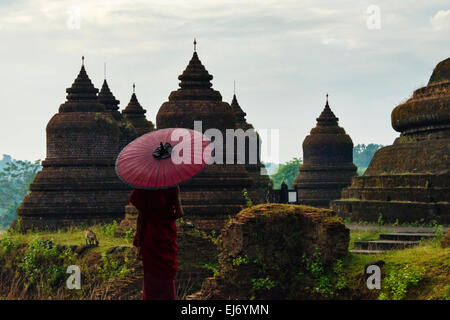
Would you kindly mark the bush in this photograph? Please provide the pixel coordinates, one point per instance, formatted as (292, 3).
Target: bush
(399, 281)
(263, 284)
(112, 268)
(110, 229)
(248, 200)
(6, 244)
(129, 235)
(43, 263)
(319, 279)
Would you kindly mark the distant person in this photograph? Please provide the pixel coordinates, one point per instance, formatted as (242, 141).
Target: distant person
(156, 238)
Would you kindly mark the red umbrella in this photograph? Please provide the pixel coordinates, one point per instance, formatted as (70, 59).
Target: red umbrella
(163, 158)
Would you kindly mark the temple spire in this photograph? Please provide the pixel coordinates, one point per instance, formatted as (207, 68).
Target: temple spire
(135, 113)
(195, 76)
(134, 107)
(195, 45)
(110, 102)
(82, 88)
(81, 91)
(239, 114)
(327, 116)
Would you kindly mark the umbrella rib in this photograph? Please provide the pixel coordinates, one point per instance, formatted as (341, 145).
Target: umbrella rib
(137, 166)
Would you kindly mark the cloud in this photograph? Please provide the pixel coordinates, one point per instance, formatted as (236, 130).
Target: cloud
(441, 20)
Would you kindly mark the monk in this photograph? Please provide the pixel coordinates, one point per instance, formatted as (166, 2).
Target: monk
(156, 238)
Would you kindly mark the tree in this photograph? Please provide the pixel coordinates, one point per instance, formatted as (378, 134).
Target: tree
(286, 172)
(362, 155)
(15, 179)
(4, 161)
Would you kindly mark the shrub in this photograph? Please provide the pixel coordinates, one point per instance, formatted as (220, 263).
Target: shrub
(44, 264)
(112, 268)
(129, 235)
(7, 244)
(319, 279)
(380, 219)
(263, 283)
(399, 281)
(248, 200)
(110, 229)
(213, 267)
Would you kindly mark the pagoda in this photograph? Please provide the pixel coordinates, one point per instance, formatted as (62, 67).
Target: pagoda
(217, 191)
(409, 181)
(327, 162)
(128, 131)
(78, 183)
(256, 171)
(110, 102)
(135, 114)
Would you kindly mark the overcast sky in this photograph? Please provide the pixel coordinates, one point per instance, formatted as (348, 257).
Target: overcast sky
(284, 55)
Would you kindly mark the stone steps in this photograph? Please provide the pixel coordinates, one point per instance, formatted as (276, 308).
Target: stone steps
(384, 244)
(390, 241)
(366, 251)
(406, 236)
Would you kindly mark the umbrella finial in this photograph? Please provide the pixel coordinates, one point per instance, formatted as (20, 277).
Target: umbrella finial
(134, 88)
(195, 45)
(163, 151)
(82, 60)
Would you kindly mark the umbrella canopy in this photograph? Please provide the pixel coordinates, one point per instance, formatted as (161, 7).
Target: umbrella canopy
(163, 158)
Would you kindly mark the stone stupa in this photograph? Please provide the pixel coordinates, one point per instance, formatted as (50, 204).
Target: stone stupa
(327, 162)
(106, 97)
(261, 181)
(128, 131)
(135, 114)
(217, 191)
(78, 183)
(409, 181)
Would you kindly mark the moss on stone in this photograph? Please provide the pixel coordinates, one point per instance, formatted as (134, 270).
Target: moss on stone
(270, 251)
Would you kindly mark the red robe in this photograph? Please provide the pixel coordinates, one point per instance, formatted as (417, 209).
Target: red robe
(158, 240)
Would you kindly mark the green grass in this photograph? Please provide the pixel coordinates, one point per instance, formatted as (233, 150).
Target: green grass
(428, 256)
(363, 235)
(73, 236)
